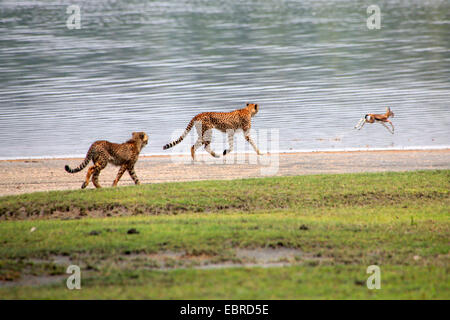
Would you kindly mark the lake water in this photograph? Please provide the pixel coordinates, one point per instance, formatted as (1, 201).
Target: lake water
(313, 67)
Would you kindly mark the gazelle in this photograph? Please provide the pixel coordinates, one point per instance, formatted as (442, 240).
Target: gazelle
(381, 118)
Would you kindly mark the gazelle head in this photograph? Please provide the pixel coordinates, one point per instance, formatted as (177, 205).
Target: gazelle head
(389, 113)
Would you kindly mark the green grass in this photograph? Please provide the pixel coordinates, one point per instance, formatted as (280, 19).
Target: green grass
(296, 282)
(242, 195)
(338, 225)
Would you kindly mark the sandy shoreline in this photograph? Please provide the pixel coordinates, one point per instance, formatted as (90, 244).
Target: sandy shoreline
(31, 175)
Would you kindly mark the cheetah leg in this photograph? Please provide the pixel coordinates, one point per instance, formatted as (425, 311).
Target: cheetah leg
(122, 169)
(208, 148)
(88, 177)
(250, 140)
(207, 135)
(199, 127)
(99, 166)
(133, 175)
(230, 142)
(197, 145)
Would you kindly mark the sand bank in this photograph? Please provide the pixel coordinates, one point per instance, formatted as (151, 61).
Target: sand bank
(24, 176)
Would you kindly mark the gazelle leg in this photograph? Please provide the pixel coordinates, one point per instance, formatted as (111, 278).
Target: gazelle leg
(390, 122)
(362, 124)
(359, 123)
(387, 127)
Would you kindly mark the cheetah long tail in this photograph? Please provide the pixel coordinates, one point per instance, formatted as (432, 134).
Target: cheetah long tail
(81, 166)
(174, 143)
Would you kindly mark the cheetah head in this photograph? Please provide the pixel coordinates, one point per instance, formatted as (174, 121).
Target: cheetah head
(253, 107)
(140, 136)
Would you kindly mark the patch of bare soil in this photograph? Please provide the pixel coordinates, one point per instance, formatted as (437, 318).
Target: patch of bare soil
(34, 281)
(270, 255)
(166, 260)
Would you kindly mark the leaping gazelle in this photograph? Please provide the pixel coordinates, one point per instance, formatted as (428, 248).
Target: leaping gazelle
(381, 118)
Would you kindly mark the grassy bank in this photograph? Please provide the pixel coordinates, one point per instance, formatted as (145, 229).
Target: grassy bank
(287, 238)
(306, 192)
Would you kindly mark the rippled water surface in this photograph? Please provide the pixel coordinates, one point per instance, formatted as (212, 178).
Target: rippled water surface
(313, 66)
